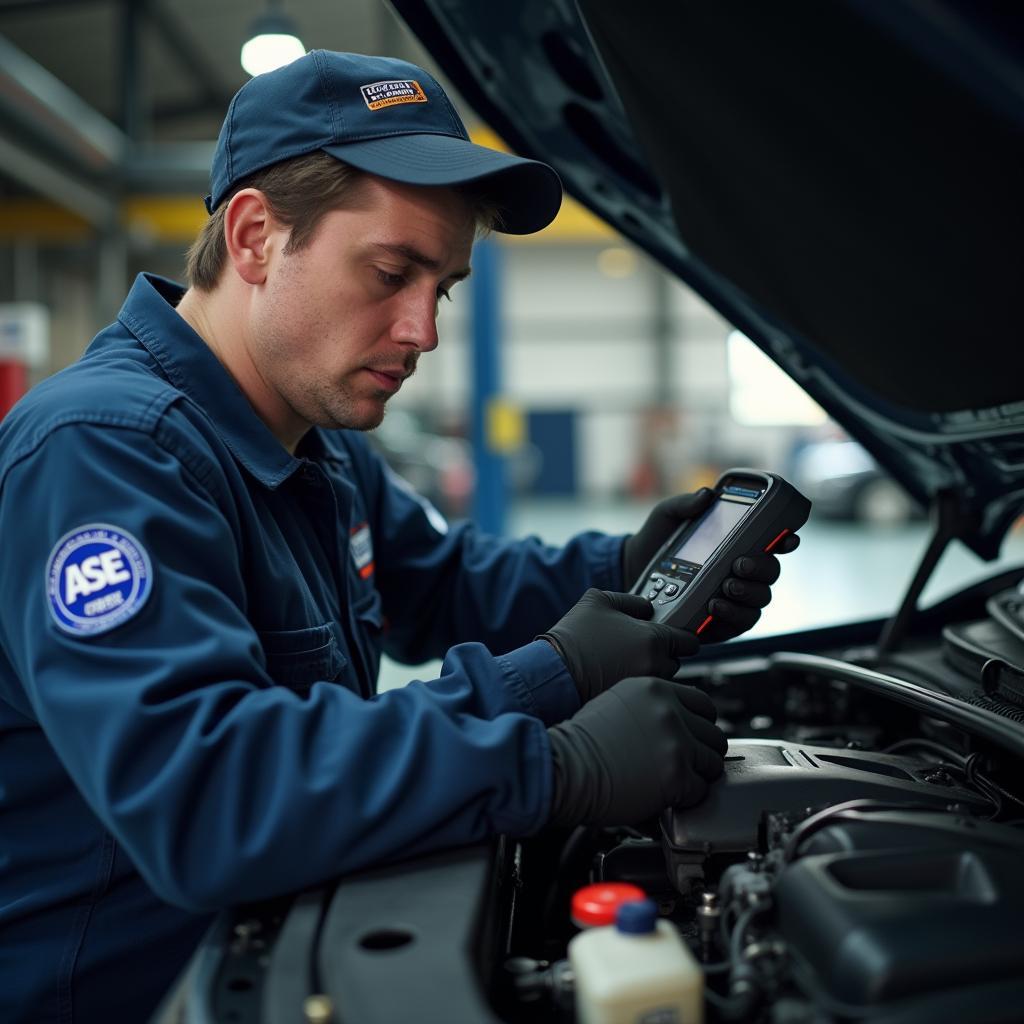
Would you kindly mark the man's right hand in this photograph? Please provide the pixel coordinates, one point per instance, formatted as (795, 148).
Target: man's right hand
(606, 637)
(644, 745)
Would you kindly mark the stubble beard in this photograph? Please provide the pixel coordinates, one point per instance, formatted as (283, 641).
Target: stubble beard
(344, 405)
(337, 408)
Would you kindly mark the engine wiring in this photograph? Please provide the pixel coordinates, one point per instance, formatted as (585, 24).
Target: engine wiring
(986, 784)
(968, 765)
(849, 810)
(745, 986)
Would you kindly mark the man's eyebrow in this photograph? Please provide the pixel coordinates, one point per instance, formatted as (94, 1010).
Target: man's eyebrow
(421, 259)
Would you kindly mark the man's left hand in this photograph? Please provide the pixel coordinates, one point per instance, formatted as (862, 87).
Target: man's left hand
(744, 593)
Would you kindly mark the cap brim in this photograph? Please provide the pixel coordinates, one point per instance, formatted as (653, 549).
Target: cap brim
(527, 192)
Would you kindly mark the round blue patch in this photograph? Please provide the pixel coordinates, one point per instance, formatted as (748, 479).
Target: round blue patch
(97, 577)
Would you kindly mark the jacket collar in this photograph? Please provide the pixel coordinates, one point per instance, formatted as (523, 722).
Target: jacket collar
(190, 365)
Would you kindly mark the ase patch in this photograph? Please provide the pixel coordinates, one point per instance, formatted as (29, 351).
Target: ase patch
(97, 576)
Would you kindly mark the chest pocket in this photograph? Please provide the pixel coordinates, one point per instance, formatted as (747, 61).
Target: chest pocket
(298, 658)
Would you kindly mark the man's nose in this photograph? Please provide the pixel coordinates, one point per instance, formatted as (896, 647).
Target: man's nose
(417, 324)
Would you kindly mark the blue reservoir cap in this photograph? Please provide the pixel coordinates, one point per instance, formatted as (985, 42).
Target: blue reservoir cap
(637, 917)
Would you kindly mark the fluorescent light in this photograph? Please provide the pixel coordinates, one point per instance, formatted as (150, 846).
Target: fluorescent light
(272, 43)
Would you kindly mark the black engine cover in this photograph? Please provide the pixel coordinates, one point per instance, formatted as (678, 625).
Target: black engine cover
(773, 775)
(907, 915)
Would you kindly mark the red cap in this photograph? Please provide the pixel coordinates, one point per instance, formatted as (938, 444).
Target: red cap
(595, 905)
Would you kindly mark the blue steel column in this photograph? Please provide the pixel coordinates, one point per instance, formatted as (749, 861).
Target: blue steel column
(491, 493)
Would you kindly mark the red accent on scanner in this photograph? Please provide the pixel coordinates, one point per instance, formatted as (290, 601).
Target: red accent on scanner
(704, 625)
(777, 539)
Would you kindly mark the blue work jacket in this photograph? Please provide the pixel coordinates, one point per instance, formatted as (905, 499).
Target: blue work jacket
(191, 623)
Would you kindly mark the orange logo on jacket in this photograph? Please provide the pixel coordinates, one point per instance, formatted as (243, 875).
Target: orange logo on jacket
(361, 547)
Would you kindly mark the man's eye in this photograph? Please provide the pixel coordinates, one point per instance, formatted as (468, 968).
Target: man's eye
(390, 279)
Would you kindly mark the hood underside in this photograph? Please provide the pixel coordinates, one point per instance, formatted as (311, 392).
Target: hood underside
(841, 181)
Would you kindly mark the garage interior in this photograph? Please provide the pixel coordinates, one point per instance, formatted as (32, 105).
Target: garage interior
(108, 114)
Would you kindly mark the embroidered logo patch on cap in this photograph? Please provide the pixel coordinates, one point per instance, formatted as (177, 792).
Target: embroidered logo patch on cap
(97, 577)
(391, 93)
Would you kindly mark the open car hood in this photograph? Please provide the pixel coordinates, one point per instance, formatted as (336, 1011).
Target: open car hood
(841, 181)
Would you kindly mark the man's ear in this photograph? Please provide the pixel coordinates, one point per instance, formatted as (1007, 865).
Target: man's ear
(248, 227)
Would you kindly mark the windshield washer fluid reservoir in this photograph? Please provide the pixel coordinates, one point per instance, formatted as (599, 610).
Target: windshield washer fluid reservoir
(637, 971)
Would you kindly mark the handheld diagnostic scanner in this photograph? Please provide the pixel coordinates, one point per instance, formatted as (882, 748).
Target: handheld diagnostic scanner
(751, 513)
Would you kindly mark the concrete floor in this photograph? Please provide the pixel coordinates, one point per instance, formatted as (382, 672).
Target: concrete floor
(840, 571)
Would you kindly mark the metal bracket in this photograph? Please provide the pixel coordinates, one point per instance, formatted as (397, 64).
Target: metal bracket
(947, 517)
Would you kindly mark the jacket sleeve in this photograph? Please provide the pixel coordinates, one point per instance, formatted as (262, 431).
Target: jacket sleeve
(444, 584)
(221, 786)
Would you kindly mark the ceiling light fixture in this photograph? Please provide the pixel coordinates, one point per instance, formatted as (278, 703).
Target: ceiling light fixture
(273, 42)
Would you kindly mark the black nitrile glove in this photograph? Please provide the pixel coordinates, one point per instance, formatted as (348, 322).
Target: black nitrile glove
(605, 637)
(743, 595)
(644, 745)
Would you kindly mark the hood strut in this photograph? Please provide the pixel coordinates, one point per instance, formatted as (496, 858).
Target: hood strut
(947, 514)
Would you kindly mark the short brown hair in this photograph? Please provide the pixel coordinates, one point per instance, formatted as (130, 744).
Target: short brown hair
(300, 192)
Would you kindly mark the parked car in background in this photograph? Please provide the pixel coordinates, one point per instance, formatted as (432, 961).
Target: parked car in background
(844, 482)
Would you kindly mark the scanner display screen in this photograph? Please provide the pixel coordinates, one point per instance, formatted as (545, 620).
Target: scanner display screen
(715, 526)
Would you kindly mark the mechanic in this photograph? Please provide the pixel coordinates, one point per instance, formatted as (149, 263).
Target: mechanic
(205, 560)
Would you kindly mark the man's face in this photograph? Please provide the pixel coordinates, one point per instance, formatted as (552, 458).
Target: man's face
(338, 325)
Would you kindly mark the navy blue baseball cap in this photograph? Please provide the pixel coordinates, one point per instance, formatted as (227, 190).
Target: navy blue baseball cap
(381, 115)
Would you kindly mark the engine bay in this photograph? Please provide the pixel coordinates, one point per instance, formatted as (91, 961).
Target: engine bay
(863, 863)
(859, 860)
